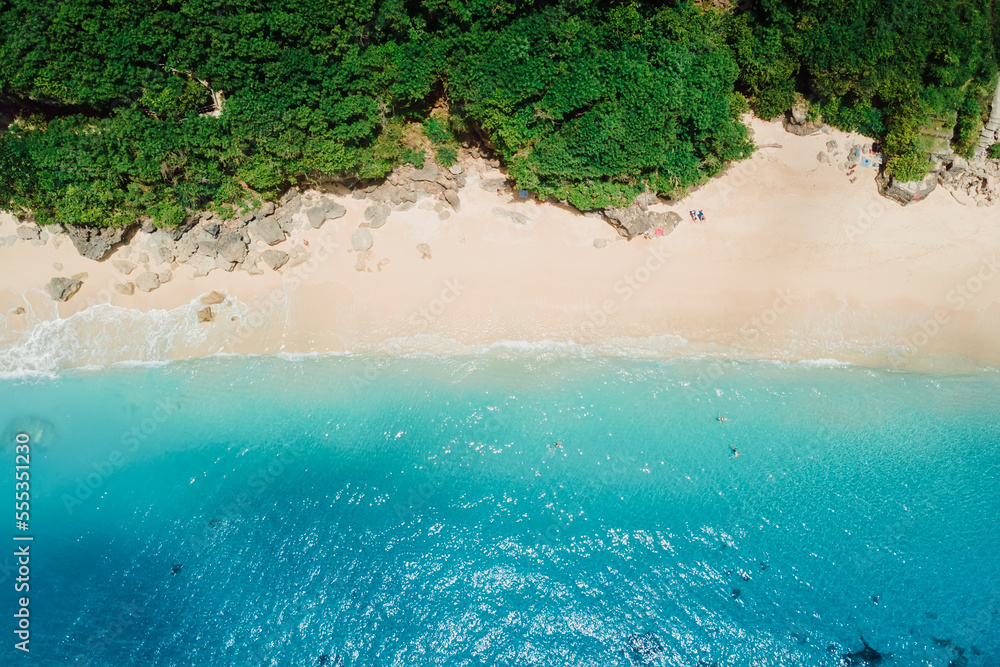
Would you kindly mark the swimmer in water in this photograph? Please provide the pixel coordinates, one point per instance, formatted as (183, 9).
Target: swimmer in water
(555, 445)
(723, 419)
(735, 451)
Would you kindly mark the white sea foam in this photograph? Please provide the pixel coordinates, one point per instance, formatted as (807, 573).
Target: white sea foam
(105, 335)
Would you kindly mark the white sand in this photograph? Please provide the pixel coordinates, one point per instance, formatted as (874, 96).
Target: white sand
(794, 262)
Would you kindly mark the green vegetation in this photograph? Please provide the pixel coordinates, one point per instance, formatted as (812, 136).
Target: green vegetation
(886, 69)
(589, 102)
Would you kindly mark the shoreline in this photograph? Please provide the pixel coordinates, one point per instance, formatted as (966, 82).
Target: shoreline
(794, 262)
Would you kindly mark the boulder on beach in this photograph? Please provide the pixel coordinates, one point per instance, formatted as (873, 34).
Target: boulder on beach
(634, 220)
(233, 248)
(452, 198)
(274, 258)
(492, 184)
(147, 281)
(29, 232)
(513, 216)
(127, 289)
(324, 211)
(376, 214)
(361, 239)
(906, 192)
(600, 243)
(202, 265)
(61, 289)
(425, 250)
(95, 243)
(124, 267)
(212, 298)
(205, 314)
(267, 230)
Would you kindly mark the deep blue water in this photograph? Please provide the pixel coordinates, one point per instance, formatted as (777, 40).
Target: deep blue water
(408, 511)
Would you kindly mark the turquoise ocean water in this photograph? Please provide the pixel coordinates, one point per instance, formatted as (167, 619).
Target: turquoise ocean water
(418, 511)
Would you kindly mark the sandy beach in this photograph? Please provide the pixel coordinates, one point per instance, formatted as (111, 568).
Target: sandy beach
(793, 262)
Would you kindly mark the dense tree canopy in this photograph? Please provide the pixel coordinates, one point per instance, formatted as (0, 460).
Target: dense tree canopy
(586, 101)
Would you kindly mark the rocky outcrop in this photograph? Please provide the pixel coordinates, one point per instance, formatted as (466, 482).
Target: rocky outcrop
(61, 289)
(797, 121)
(636, 220)
(906, 192)
(95, 243)
(974, 181)
(988, 136)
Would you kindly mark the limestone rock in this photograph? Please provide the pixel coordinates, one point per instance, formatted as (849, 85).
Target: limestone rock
(797, 121)
(161, 246)
(95, 243)
(824, 158)
(233, 248)
(906, 193)
(61, 289)
(57, 266)
(123, 266)
(165, 276)
(455, 169)
(224, 264)
(128, 289)
(29, 232)
(633, 221)
(428, 173)
(513, 216)
(205, 315)
(452, 198)
(324, 211)
(267, 230)
(147, 281)
(212, 298)
(492, 184)
(185, 248)
(444, 215)
(377, 214)
(361, 239)
(208, 247)
(425, 250)
(274, 258)
(266, 209)
(600, 243)
(202, 265)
